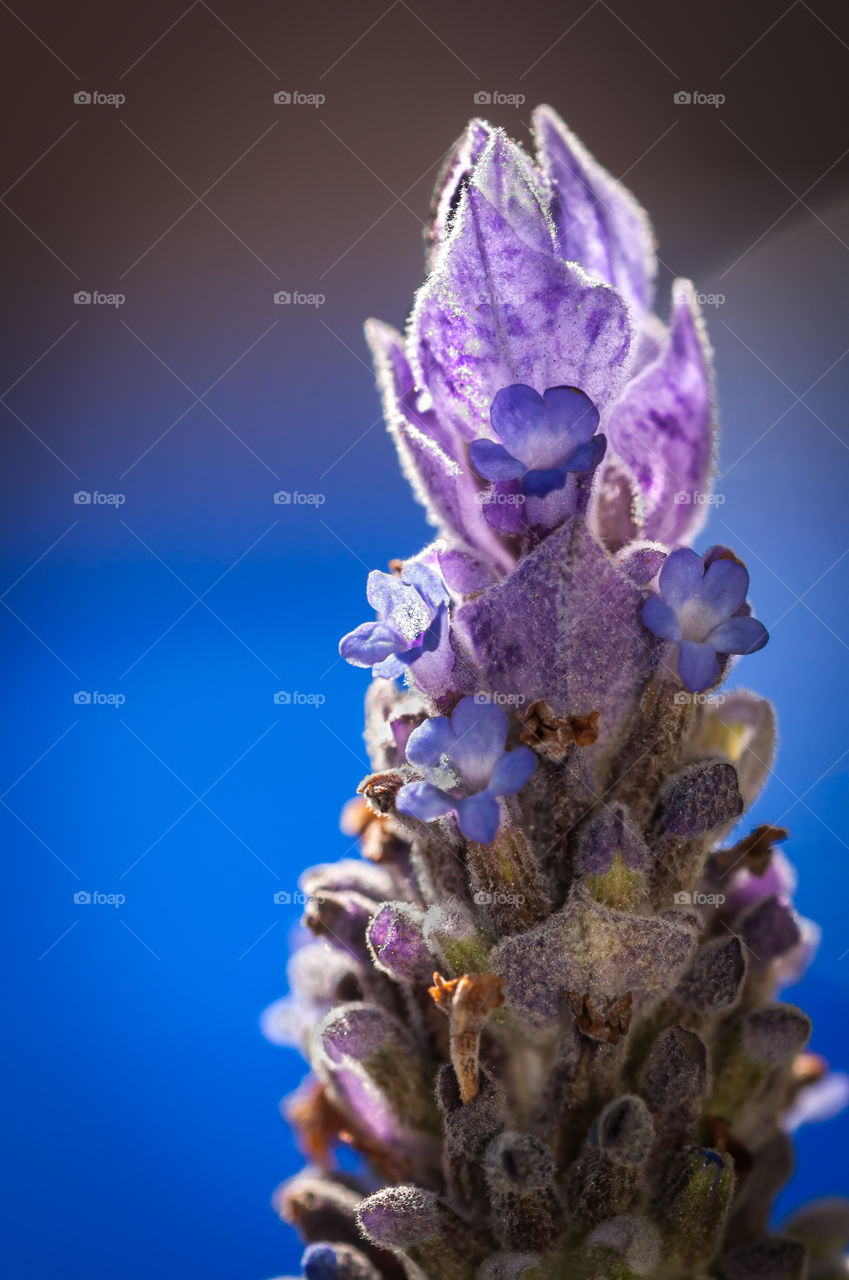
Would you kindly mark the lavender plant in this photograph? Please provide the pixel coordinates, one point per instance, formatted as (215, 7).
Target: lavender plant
(542, 1008)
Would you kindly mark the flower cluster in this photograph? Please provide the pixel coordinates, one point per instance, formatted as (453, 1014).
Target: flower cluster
(541, 1011)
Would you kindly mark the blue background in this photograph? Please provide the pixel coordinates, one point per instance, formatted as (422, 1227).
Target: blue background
(140, 1099)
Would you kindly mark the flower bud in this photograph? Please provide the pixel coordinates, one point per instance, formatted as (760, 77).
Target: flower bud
(526, 1211)
(417, 1225)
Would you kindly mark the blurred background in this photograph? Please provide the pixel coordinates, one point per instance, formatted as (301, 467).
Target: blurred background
(148, 630)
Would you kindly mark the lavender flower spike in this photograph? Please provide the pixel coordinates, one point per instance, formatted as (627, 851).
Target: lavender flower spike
(543, 1012)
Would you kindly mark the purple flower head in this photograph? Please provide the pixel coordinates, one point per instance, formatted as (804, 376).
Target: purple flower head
(543, 438)
(411, 614)
(702, 608)
(477, 770)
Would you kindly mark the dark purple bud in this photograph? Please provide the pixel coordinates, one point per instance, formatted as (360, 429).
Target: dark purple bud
(701, 797)
(776, 1258)
(337, 1262)
(397, 945)
(624, 1131)
(468, 1129)
(715, 978)
(636, 1241)
(673, 1082)
(418, 1225)
(341, 919)
(376, 1070)
(605, 834)
(770, 930)
(320, 1206)
(775, 1033)
(604, 1180)
(526, 1211)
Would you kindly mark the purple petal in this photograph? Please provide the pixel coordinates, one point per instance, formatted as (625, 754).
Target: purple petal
(390, 668)
(512, 772)
(723, 588)
(587, 456)
(464, 573)
(423, 801)
(681, 577)
(451, 181)
(480, 729)
(599, 223)
(428, 584)
(661, 619)
(429, 741)
(369, 643)
(399, 604)
(493, 462)
(697, 665)
(739, 635)
(429, 450)
(514, 413)
(539, 484)
(496, 287)
(573, 413)
(663, 427)
(479, 817)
